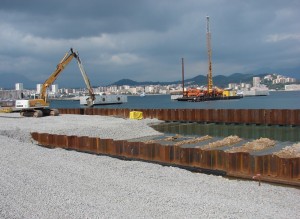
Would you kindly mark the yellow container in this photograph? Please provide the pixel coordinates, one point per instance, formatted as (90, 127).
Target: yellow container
(6, 110)
(136, 115)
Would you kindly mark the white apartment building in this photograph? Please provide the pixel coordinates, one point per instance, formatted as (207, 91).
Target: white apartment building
(149, 89)
(133, 90)
(38, 88)
(291, 87)
(232, 85)
(54, 88)
(243, 85)
(114, 89)
(125, 87)
(19, 86)
(256, 81)
(290, 80)
(268, 77)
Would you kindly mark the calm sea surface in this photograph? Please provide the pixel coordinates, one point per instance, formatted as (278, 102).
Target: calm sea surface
(276, 100)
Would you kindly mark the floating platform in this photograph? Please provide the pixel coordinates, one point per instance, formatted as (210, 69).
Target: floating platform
(105, 99)
(254, 92)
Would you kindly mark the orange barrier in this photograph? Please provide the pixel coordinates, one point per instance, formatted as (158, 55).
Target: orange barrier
(270, 168)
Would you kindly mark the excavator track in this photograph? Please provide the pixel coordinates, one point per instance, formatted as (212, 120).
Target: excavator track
(39, 112)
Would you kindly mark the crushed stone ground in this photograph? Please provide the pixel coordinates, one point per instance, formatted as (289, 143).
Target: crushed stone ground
(37, 182)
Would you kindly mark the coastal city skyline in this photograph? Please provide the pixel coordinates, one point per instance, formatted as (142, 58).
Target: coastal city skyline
(55, 91)
(146, 40)
(242, 78)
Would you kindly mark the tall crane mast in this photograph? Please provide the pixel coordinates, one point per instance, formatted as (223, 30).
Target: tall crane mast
(209, 74)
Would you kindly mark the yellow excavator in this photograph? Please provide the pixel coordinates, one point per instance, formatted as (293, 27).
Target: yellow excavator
(40, 107)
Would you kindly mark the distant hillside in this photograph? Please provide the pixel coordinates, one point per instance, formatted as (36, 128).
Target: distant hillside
(219, 80)
(288, 72)
(135, 83)
(8, 80)
(293, 75)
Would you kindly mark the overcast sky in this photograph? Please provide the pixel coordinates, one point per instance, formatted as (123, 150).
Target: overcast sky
(145, 40)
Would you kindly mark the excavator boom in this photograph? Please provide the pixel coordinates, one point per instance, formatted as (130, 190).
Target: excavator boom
(90, 100)
(60, 67)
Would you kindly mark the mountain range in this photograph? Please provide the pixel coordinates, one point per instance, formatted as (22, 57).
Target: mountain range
(219, 80)
(8, 80)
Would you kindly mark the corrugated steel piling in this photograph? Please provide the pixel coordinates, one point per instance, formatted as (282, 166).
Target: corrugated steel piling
(271, 168)
(228, 116)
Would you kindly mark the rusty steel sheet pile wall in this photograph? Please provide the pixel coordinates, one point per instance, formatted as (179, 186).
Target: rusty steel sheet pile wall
(243, 165)
(232, 116)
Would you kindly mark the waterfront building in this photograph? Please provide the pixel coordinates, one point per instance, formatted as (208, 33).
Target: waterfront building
(38, 88)
(54, 88)
(133, 90)
(291, 87)
(19, 86)
(247, 86)
(290, 80)
(125, 87)
(268, 77)
(164, 91)
(114, 88)
(232, 85)
(149, 89)
(69, 91)
(256, 81)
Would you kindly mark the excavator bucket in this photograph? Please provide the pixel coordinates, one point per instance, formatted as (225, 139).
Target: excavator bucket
(89, 102)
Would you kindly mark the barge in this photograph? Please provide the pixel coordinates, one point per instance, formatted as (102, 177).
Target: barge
(204, 98)
(103, 99)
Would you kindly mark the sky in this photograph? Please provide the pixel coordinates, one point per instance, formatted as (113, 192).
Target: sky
(144, 40)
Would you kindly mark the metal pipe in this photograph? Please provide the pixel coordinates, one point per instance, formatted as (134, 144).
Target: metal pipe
(182, 65)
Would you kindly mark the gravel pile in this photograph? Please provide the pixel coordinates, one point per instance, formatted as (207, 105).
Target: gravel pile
(255, 145)
(292, 151)
(37, 182)
(230, 140)
(80, 125)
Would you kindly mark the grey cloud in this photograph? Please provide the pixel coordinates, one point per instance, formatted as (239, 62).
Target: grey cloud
(146, 39)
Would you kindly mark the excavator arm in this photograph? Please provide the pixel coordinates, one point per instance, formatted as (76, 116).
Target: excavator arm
(39, 107)
(91, 98)
(60, 67)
